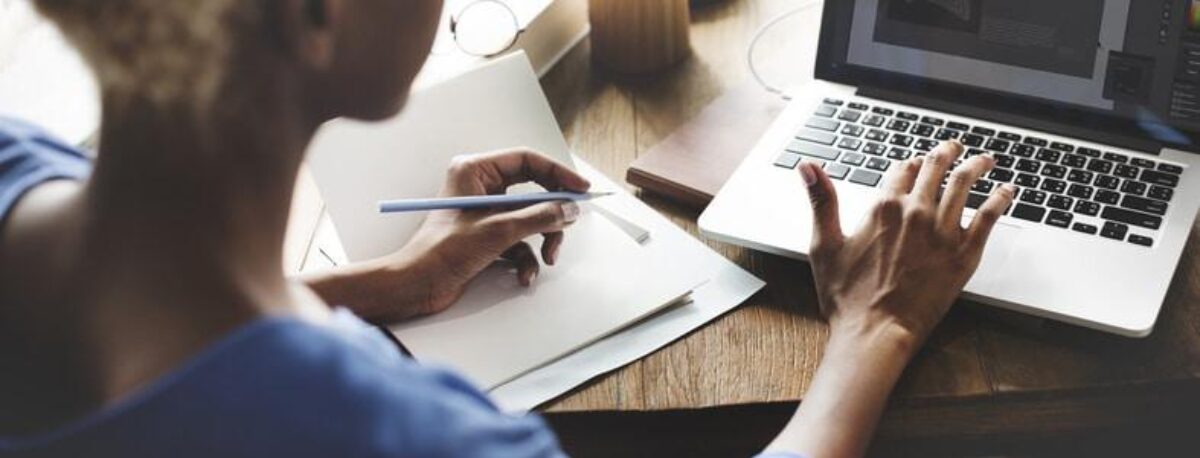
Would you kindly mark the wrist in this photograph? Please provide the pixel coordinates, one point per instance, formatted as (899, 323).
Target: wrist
(876, 332)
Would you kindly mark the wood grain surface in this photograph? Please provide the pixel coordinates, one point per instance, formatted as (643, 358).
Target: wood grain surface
(985, 374)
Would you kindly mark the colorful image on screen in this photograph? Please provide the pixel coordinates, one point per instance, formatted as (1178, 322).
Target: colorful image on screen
(1194, 15)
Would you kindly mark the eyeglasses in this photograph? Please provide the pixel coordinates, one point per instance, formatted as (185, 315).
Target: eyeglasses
(485, 28)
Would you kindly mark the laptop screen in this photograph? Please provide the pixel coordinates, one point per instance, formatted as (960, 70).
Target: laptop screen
(1133, 64)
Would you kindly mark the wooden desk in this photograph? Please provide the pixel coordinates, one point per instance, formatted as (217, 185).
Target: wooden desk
(987, 381)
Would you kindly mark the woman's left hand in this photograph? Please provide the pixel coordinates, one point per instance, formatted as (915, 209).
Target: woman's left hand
(453, 246)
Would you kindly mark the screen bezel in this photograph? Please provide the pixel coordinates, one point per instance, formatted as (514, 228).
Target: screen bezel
(834, 43)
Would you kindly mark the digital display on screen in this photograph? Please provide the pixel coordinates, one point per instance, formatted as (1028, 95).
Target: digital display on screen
(1193, 16)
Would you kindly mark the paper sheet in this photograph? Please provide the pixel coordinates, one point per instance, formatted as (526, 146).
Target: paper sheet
(498, 330)
(729, 286)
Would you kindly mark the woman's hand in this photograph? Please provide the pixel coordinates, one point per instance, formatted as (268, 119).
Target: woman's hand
(912, 257)
(453, 246)
(884, 289)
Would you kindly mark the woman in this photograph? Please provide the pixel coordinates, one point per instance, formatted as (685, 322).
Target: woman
(145, 311)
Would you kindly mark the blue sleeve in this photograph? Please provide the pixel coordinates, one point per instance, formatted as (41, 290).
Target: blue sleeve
(29, 156)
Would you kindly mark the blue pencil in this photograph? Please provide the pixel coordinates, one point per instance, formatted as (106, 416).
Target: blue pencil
(477, 202)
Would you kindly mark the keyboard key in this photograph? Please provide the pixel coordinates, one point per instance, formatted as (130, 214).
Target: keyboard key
(824, 138)
(836, 171)
(823, 124)
(787, 160)
(850, 115)
(999, 146)
(976, 200)
(1001, 175)
(958, 126)
(1062, 146)
(1033, 196)
(1126, 171)
(854, 159)
(1074, 160)
(1107, 182)
(932, 120)
(877, 135)
(1105, 196)
(983, 186)
(1029, 212)
(1143, 163)
(874, 120)
(1141, 204)
(907, 116)
(972, 152)
(853, 130)
(1131, 218)
(874, 149)
(983, 131)
(923, 130)
(1120, 159)
(1054, 171)
(826, 111)
(1009, 136)
(1161, 193)
(1136, 188)
(857, 106)
(901, 140)
(898, 125)
(1084, 207)
(1114, 231)
(851, 144)
(1048, 155)
(972, 140)
(1035, 141)
(812, 150)
(1169, 168)
(947, 134)
(879, 164)
(835, 102)
(925, 144)
(1089, 152)
(1141, 240)
(1080, 176)
(1055, 186)
(1079, 191)
(898, 153)
(1060, 202)
(1100, 166)
(864, 177)
(1059, 219)
(1028, 166)
(1026, 180)
(1085, 228)
(1004, 160)
(1023, 150)
(1160, 178)
(883, 111)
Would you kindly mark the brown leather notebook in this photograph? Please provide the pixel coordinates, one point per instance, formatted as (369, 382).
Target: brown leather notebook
(692, 164)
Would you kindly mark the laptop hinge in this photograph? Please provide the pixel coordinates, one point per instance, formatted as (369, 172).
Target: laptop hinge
(1066, 130)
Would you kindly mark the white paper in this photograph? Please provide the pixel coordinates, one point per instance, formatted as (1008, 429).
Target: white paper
(498, 330)
(729, 286)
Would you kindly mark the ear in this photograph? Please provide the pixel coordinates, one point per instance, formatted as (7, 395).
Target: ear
(309, 28)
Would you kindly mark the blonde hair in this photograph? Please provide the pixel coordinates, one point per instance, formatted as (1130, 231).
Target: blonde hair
(165, 51)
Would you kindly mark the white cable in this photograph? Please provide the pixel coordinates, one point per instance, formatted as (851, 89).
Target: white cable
(758, 36)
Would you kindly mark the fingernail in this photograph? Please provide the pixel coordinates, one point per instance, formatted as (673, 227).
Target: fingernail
(554, 254)
(570, 212)
(806, 173)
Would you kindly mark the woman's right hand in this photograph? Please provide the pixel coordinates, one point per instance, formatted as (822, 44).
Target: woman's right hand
(911, 257)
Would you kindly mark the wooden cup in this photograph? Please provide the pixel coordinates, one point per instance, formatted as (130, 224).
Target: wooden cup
(638, 37)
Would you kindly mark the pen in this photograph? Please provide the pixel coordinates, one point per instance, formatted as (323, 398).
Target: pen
(476, 202)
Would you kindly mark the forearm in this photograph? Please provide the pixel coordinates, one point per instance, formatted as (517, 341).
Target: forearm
(849, 392)
(374, 290)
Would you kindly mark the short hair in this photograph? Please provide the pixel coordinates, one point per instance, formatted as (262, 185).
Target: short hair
(165, 51)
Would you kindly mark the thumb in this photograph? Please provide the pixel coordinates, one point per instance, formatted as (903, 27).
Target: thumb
(542, 218)
(827, 224)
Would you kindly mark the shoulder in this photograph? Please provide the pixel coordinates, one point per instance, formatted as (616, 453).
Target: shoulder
(341, 391)
(29, 156)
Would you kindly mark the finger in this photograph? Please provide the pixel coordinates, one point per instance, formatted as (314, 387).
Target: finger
(523, 165)
(551, 244)
(827, 224)
(901, 179)
(542, 218)
(526, 262)
(990, 212)
(929, 180)
(954, 199)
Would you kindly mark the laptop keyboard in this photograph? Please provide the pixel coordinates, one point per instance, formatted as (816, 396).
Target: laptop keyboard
(1059, 184)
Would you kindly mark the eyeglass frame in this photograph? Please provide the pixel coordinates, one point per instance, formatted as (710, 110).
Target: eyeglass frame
(513, 14)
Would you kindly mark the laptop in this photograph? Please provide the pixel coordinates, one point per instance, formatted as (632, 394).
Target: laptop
(1091, 108)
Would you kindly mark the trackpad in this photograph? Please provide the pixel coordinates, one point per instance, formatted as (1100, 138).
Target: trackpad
(993, 269)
